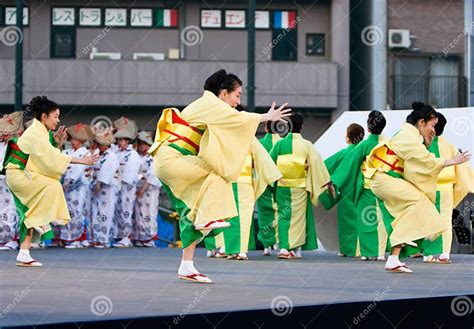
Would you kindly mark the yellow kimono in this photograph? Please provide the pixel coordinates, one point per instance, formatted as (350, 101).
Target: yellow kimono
(258, 172)
(33, 168)
(198, 153)
(304, 174)
(453, 184)
(403, 173)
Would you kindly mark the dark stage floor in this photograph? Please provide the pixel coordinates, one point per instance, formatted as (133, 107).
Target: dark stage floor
(77, 286)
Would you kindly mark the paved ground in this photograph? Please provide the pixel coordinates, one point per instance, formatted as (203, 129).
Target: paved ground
(92, 284)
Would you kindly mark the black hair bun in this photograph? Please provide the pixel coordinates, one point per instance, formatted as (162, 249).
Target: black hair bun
(417, 105)
(36, 102)
(217, 79)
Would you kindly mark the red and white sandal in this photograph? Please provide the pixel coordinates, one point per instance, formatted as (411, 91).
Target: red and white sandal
(289, 255)
(399, 269)
(195, 277)
(32, 263)
(440, 260)
(220, 223)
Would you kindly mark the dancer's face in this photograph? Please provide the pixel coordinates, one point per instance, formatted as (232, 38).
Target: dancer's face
(427, 128)
(122, 143)
(143, 148)
(75, 143)
(51, 120)
(93, 145)
(232, 98)
(103, 148)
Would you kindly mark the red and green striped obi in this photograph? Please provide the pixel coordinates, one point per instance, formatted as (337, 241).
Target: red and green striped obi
(14, 155)
(384, 159)
(178, 134)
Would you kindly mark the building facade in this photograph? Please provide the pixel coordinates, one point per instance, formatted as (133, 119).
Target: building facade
(114, 58)
(410, 50)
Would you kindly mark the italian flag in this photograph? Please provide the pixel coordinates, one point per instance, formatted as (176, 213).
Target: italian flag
(167, 17)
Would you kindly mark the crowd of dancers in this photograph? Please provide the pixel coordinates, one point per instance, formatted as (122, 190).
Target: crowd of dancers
(393, 195)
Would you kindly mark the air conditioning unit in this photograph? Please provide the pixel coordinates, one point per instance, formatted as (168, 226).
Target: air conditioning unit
(399, 38)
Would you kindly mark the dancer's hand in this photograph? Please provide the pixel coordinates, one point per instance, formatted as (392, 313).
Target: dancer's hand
(331, 189)
(60, 136)
(86, 160)
(97, 188)
(276, 115)
(140, 193)
(458, 159)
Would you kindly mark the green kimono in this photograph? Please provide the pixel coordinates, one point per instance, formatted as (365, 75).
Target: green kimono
(304, 174)
(370, 211)
(267, 208)
(346, 210)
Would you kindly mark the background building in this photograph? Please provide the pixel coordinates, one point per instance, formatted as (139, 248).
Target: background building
(324, 57)
(410, 50)
(155, 54)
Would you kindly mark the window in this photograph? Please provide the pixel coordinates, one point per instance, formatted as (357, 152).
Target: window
(433, 80)
(315, 44)
(284, 43)
(63, 41)
(284, 35)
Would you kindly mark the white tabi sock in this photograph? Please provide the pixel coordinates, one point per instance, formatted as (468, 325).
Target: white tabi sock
(187, 268)
(392, 261)
(24, 256)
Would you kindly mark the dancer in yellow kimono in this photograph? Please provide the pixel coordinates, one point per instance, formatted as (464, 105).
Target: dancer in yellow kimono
(33, 167)
(258, 172)
(266, 205)
(403, 174)
(452, 186)
(304, 178)
(198, 153)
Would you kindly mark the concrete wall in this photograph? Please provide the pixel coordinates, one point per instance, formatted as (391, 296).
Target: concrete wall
(435, 23)
(129, 83)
